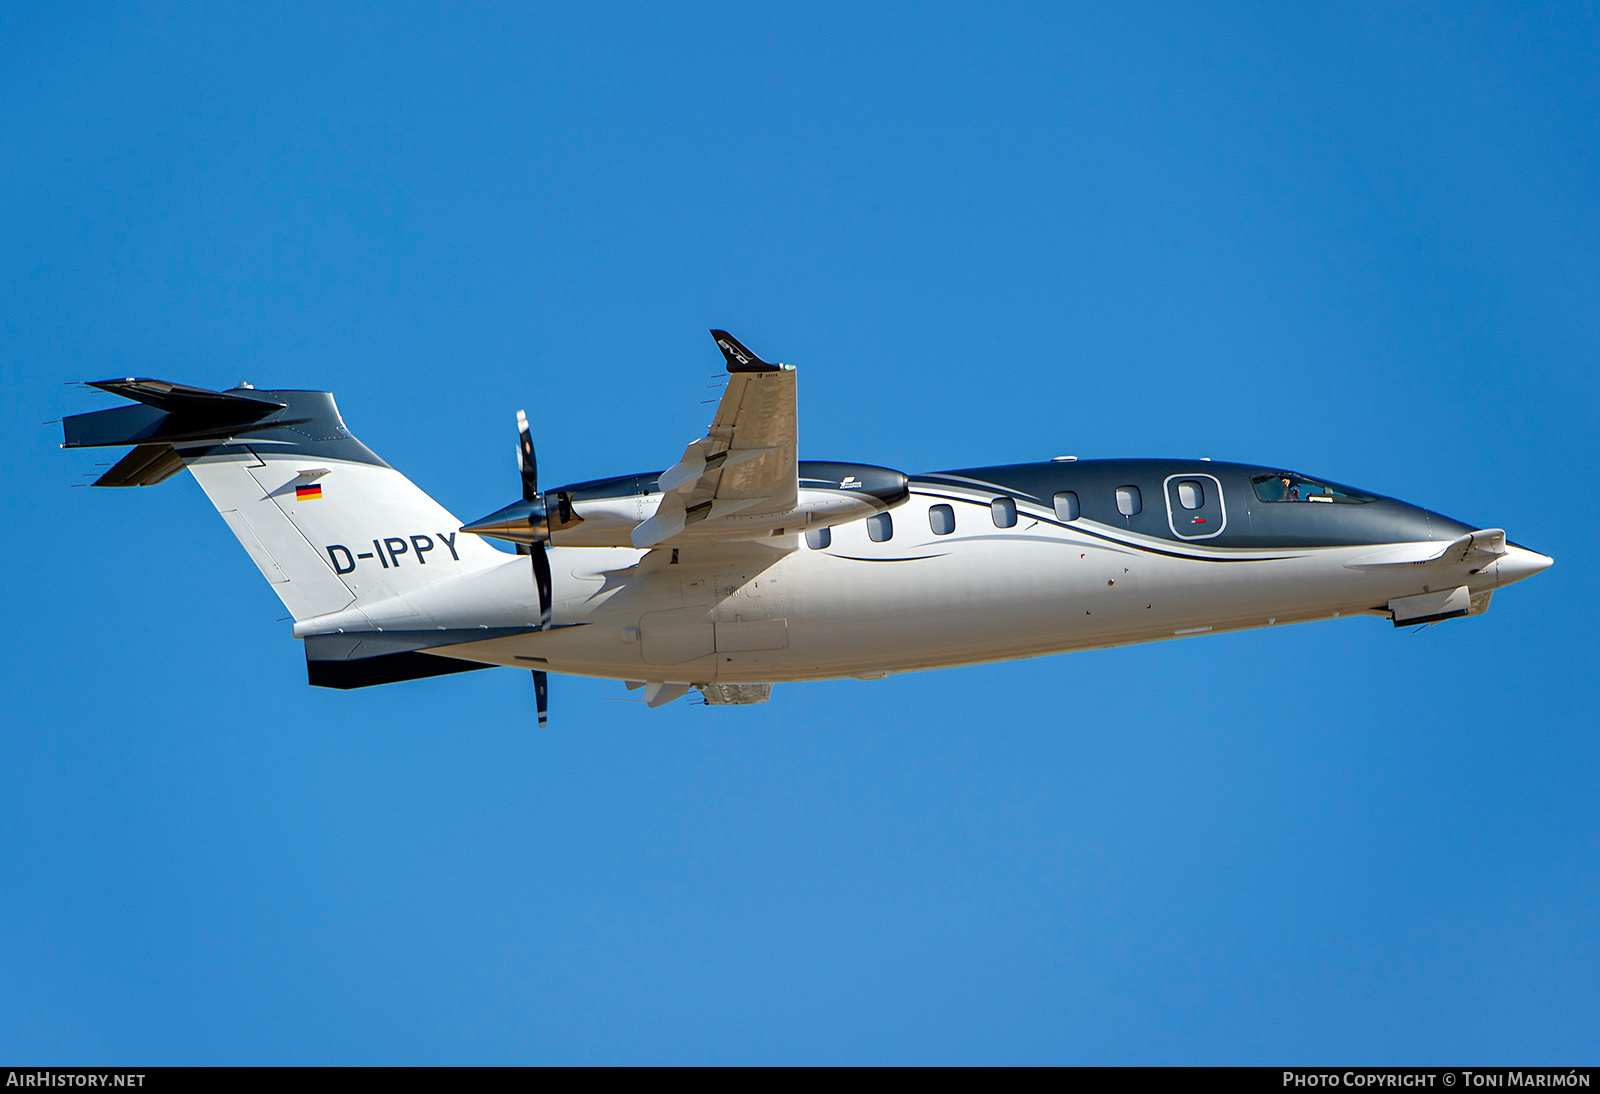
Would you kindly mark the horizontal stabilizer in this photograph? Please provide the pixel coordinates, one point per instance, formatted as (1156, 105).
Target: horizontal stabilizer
(146, 465)
(181, 398)
(1474, 550)
(1477, 549)
(172, 414)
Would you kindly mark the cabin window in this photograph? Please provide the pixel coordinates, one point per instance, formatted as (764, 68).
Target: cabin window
(880, 528)
(1287, 486)
(1066, 505)
(942, 519)
(1191, 495)
(1129, 503)
(818, 539)
(1004, 512)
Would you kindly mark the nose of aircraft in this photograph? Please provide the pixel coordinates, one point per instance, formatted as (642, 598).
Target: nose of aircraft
(1519, 562)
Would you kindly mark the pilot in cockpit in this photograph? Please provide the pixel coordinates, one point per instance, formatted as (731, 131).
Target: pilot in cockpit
(1280, 488)
(1288, 486)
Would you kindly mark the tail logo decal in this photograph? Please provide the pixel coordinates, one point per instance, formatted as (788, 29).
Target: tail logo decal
(389, 549)
(734, 351)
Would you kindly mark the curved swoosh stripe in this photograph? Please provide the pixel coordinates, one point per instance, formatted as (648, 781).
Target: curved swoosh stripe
(1080, 528)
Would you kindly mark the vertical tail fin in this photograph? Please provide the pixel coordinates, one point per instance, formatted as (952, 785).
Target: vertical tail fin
(328, 523)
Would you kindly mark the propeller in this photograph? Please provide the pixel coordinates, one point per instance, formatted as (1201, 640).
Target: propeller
(528, 467)
(541, 696)
(528, 523)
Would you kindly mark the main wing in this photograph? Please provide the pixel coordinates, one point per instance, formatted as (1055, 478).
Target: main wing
(745, 471)
(736, 486)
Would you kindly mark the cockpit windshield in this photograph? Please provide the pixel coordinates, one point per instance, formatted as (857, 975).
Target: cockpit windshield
(1287, 486)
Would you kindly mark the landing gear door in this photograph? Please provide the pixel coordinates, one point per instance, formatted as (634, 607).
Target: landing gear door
(1194, 506)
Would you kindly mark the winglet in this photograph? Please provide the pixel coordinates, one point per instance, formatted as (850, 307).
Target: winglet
(740, 359)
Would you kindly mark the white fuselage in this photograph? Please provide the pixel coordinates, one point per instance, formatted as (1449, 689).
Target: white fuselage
(719, 587)
(916, 600)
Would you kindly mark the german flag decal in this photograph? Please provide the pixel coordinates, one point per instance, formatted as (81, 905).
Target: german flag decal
(308, 493)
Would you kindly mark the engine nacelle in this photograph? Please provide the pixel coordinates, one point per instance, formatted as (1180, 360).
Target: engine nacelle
(604, 512)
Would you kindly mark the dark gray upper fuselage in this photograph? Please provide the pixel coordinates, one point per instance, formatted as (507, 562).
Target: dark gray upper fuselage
(309, 425)
(1250, 521)
(1245, 519)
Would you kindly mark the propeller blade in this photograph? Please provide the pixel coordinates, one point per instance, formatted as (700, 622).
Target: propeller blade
(541, 578)
(526, 462)
(541, 696)
(528, 466)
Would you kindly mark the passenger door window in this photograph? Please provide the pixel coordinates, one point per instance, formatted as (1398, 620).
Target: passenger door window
(1194, 506)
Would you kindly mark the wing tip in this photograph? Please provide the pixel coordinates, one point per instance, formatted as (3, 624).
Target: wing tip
(740, 358)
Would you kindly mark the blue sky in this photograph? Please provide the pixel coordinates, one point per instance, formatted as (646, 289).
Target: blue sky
(1359, 241)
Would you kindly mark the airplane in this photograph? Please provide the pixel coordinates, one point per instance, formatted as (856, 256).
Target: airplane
(742, 566)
